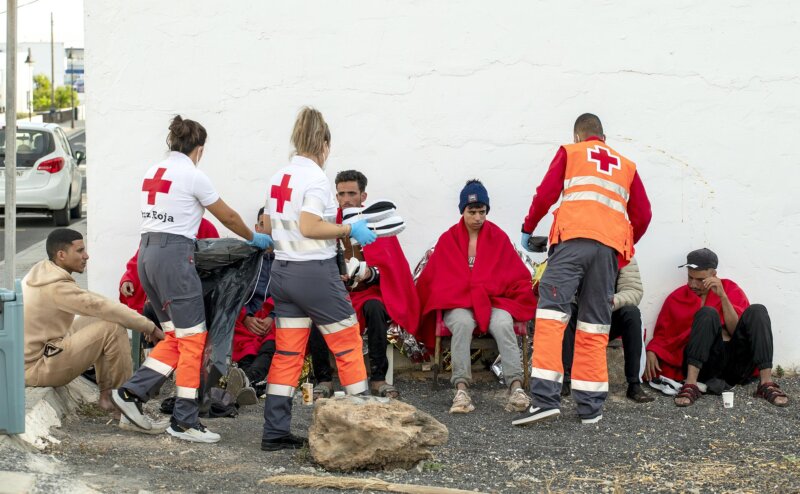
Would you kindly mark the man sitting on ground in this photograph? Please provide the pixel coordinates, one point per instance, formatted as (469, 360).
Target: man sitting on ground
(476, 279)
(382, 291)
(708, 331)
(58, 347)
(254, 336)
(626, 322)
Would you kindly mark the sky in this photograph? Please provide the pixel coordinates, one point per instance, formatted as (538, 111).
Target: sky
(33, 21)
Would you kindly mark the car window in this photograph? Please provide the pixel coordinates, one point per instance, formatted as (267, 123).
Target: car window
(64, 141)
(32, 145)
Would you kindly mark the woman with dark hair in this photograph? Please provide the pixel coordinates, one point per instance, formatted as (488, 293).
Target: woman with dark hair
(175, 194)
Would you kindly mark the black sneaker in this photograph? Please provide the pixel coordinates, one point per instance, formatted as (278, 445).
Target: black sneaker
(536, 414)
(286, 442)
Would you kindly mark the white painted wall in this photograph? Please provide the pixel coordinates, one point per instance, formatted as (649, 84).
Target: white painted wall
(422, 96)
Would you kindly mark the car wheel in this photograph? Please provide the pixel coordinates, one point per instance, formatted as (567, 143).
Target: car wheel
(76, 213)
(61, 216)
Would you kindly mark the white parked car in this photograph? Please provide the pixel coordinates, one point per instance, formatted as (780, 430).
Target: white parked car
(48, 179)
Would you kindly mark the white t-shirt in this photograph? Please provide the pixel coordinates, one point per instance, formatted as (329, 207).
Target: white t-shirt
(301, 186)
(174, 196)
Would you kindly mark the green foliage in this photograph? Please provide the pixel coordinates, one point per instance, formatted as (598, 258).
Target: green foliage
(779, 372)
(63, 99)
(42, 93)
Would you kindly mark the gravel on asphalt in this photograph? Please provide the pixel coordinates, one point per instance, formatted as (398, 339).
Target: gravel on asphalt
(655, 447)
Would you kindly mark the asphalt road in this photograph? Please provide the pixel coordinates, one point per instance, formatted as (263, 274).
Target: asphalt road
(32, 228)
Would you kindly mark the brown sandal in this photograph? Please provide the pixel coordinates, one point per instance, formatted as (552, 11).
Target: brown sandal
(770, 391)
(689, 391)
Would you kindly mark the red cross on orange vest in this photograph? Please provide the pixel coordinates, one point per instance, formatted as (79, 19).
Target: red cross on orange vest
(282, 193)
(605, 161)
(155, 185)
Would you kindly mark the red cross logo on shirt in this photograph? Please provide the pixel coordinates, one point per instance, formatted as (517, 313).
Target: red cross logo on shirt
(606, 162)
(156, 184)
(282, 193)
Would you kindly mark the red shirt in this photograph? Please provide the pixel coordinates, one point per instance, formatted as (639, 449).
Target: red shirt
(548, 192)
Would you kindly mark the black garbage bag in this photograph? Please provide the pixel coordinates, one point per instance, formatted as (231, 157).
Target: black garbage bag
(228, 269)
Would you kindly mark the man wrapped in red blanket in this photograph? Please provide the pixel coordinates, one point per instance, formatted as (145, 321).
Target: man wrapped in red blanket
(382, 291)
(476, 280)
(708, 332)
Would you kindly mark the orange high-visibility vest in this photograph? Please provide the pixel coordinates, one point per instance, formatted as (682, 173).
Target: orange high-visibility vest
(594, 203)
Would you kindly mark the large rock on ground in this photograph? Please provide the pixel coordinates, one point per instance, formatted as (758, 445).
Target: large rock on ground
(352, 433)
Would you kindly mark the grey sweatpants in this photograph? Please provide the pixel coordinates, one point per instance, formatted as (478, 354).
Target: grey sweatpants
(168, 276)
(461, 322)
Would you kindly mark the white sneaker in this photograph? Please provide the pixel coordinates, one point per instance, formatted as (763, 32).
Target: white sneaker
(666, 385)
(156, 427)
(131, 407)
(462, 403)
(592, 420)
(196, 434)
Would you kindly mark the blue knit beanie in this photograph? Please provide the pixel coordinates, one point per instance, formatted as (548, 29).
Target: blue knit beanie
(474, 193)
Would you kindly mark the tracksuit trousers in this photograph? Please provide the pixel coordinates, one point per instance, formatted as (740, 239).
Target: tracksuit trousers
(589, 269)
(168, 276)
(307, 292)
(377, 322)
(626, 322)
(749, 348)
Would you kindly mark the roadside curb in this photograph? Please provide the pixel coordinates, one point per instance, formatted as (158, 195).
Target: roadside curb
(45, 408)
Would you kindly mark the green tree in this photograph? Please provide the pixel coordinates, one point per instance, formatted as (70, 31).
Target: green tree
(42, 92)
(63, 99)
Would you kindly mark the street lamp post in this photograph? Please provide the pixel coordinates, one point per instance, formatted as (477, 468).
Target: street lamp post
(29, 63)
(71, 91)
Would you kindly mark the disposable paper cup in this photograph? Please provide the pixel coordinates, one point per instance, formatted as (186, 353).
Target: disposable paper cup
(338, 394)
(727, 399)
(308, 394)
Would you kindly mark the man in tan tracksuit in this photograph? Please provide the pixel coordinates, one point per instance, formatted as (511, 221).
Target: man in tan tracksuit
(58, 347)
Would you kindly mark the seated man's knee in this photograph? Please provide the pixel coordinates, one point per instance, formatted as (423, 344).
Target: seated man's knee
(459, 321)
(706, 315)
(373, 309)
(501, 318)
(630, 313)
(755, 310)
(117, 332)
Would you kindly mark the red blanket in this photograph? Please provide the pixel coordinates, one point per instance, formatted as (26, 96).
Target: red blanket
(246, 343)
(674, 324)
(396, 286)
(498, 279)
(136, 301)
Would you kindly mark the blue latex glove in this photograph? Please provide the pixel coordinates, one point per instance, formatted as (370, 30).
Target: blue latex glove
(362, 233)
(524, 241)
(260, 241)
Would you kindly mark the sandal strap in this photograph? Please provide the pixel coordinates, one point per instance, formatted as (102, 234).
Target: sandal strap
(690, 391)
(769, 391)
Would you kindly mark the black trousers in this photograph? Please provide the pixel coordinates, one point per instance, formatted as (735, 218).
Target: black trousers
(625, 322)
(377, 321)
(256, 367)
(735, 361)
